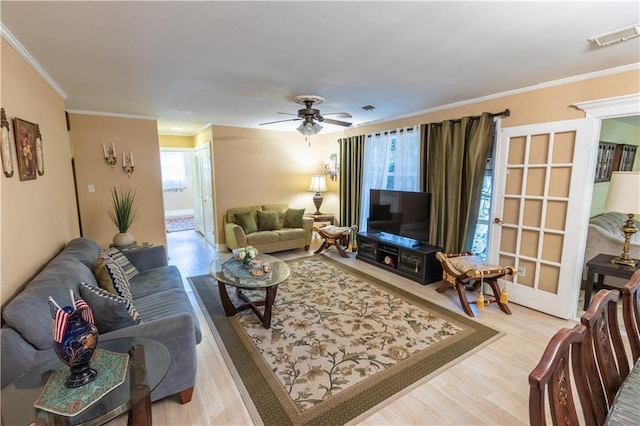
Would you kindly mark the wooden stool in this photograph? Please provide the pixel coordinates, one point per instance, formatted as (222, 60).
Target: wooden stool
(334, 236)
(464, 271)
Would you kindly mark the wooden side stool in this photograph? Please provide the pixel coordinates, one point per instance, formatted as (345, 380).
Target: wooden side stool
(334, 236)
(464, 271)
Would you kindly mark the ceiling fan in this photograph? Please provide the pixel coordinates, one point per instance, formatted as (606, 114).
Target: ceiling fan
(311, 116)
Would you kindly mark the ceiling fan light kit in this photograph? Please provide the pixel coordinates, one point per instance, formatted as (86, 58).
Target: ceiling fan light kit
(311, 116)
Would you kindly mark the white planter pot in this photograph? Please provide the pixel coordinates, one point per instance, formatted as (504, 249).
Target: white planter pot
(123, 239)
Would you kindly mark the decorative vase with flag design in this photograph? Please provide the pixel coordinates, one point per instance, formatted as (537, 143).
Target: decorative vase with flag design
(75, 337)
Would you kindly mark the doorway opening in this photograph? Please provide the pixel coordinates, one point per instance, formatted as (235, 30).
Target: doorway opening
(178, 189)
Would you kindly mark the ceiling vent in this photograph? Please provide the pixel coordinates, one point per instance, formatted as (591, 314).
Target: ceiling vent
(617, 36)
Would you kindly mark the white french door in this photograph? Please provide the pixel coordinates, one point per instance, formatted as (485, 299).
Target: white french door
(543, 180)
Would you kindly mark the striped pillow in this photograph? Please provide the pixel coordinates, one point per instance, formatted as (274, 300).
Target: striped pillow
(129, 270)
(111, 276)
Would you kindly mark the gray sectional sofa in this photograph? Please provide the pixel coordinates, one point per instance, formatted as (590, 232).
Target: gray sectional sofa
(158, 295)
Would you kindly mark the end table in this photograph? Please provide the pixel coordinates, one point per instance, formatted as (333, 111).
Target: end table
(601, 265)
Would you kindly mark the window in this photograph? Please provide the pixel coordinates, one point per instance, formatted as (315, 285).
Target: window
(174, 170)
(481, 236)
(391, 161)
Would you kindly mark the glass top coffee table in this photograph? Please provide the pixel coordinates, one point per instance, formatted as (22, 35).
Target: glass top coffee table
(231, 272)
(148, 364)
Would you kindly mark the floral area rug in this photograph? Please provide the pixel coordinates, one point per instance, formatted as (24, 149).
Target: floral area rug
(340, 342)
(179, 223)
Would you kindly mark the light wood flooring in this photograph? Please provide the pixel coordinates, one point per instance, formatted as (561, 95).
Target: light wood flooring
(489, 387)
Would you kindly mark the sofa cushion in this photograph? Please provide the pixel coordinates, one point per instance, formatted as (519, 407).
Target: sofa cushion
(155, 280)
(288, 234)
(28, 313)
(83, 250)
(268, 221)
(111, 277)
(262, 237)
(129, 270)
(247, 222)
(293, 218)
(110, 311)
(166, 303)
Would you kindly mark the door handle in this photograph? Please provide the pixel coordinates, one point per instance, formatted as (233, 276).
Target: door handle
(498, 221)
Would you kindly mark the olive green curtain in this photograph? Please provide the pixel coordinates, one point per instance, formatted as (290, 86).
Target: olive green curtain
(456, 156)
(351, 165)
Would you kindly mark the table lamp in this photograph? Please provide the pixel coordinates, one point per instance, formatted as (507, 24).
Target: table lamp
(624, 197)
(318, 185)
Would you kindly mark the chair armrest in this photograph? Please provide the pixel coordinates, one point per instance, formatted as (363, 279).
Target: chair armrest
(307, 225)
(147, 258)
(234, 236)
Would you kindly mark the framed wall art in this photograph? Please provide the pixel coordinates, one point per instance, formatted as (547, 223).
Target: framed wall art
(5, 147)
(25, 135)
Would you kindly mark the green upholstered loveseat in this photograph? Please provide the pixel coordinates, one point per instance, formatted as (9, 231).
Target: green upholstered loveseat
(283, 237)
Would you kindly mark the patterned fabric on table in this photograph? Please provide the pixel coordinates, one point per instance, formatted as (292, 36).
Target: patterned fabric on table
(474, 267)
(129, 270)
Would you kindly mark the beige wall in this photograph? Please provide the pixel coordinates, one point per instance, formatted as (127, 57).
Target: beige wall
(173, 141)
(255, 166)
(138, 136)
(38, 216)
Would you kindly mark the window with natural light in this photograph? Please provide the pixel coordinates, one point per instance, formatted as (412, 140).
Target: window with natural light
(174, 176)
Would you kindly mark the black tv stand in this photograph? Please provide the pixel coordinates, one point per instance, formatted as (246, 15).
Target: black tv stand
(416, 261)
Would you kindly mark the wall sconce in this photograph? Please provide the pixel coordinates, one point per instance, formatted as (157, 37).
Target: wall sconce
(332, 168)
(127, 163)
(110, 155)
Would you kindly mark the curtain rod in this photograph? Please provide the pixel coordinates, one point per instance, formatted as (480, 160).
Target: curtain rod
(505, 113)
(408, 129)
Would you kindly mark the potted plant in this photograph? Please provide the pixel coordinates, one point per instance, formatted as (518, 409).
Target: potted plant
(123, 213)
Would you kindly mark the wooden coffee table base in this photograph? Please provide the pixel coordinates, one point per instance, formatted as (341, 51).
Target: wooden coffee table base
(230, 309)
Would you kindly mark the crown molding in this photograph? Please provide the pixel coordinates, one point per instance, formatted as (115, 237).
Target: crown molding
(553, 83)
(112, 114)
(13, 42)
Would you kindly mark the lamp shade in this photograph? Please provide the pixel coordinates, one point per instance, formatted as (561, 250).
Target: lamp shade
(624, 193)
(318, 184)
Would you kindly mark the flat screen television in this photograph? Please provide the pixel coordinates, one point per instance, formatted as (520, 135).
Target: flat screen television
(403, 213)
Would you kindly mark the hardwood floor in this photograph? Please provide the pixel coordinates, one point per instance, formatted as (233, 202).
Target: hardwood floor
(488, 387)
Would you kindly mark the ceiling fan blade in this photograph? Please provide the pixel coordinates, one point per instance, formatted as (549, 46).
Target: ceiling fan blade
(339, 114)
(287, 113)
(279, 121)
(336, 122)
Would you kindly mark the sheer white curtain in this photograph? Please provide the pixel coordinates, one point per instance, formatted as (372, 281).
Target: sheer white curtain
(174, 172)
(391, 161)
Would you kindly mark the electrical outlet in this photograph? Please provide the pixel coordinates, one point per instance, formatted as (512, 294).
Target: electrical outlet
(522, 271)
(92, 188)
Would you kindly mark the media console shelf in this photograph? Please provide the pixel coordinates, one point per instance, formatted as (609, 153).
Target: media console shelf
(399, 255)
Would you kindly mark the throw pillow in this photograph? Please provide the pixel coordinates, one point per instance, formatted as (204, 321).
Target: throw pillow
(268, 221)
(247, 222)
(111, 277)
(129, 270)
(381, 212)
(293, 219)
(110, 311)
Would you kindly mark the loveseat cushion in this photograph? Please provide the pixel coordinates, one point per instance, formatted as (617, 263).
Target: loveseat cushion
(288, 234)
(247, 222)
(231, 213)
(110, 311)
(293, 218)
(281, 208)
(28, 313)
(262, 237)
(268, 221)
(155, 280)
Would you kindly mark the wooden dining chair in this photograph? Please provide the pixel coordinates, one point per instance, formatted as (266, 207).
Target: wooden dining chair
(631, 314)
(561, 366)
(605, 352)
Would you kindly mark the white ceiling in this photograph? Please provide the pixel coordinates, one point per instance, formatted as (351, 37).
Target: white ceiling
(239, 63)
